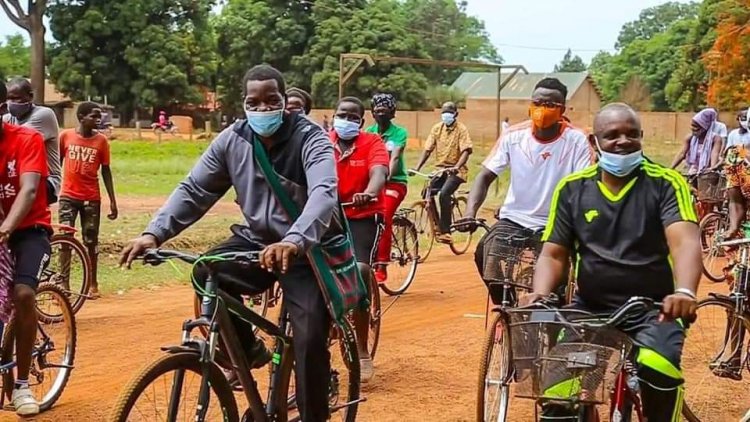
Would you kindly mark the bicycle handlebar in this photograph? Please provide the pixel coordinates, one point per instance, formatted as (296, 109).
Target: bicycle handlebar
(620, 315)
(160, 256)
(430, 176)
(351, 204)
(480, 222)
(734, 242)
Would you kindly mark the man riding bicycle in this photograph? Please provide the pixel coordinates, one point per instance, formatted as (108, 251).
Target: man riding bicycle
(451, 143)
(362, 160)
(25, 229)
(303, 157)
(539, 153)
(623, 219)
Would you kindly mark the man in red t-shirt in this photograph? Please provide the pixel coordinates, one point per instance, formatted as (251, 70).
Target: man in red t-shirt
(25, 228)
(84, 152)
(362, 166)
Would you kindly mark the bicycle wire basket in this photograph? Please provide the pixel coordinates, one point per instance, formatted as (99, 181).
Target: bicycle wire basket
(711, 187)
(509, 257)
(561, 361)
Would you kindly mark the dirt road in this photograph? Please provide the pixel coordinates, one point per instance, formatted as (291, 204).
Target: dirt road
(426, 364)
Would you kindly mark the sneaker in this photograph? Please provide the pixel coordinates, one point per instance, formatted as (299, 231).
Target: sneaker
(24, 402)
(725, 371)
(381, 274)
(366, 370)
(444, 238)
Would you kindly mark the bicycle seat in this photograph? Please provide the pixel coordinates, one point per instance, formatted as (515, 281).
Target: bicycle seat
(64, 228)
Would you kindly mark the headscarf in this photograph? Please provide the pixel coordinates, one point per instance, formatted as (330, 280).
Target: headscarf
(384, 100)
(699, 155)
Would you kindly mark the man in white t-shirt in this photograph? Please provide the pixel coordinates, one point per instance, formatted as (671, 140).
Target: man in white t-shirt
(539, 152)
(740, 136)
(720, 129)
(506, 124)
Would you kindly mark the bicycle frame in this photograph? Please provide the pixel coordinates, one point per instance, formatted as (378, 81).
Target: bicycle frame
(215, 308)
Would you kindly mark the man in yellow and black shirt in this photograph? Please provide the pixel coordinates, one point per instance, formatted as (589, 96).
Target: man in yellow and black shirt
(623, 218)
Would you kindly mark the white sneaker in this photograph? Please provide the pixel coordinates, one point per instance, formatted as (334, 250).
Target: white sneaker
(24, 402)
(366, 370)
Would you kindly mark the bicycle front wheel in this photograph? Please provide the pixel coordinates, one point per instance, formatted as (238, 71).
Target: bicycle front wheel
(69, 268)
(404, 257)
(493, 394)
(425, 230)
(461, 241)
(54, 348)
(168, 389)
(712, 356)
(711, 228)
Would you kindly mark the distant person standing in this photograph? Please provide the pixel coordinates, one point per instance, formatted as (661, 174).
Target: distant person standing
(720, 129)
(84, 152)
(326, 123)
(23, 112)
(506, 124)
(451, 143)
(702, 148)
(741, 135)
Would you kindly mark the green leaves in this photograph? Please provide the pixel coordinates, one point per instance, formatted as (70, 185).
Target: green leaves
(140, 53)
(570, 63)
(15, 57)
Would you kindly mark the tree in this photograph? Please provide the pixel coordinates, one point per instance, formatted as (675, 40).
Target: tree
(636, 94)
(31, 21)
(570, 63)
(245, 38)
(15, 57)
(140, 53)
(727, 60)
(655, 20)
(686, 89)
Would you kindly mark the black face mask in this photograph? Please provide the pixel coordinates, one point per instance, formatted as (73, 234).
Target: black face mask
(19, 110)
(382, 119)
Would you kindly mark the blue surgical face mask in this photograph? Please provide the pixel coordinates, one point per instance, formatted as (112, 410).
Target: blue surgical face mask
(265, 123)
(617, 164)
(345, 129)
(448, 118)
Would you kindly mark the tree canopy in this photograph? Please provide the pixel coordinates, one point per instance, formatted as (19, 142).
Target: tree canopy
(15, 57)
(570, 63)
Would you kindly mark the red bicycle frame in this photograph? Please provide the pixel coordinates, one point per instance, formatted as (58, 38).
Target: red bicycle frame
(623, 397)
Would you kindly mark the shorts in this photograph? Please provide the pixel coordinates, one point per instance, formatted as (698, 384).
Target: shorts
(90, 212)
(366, 234)
(31, 249)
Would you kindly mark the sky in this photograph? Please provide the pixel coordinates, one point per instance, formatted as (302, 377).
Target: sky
(536, 33)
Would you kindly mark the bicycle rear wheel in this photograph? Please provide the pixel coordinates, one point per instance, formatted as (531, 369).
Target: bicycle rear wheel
(54, 348)
(424, 226)
(713, 339)
(493, 394)
(712, 227)
(461, 241)
(404, 257)
(173, 382)
(70, 268)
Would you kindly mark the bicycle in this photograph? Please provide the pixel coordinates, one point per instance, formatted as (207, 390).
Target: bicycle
(404, 257)
(426, 218)
(201, 356)
(719, 344)
(69, 266)
(551, 346)
(53, 353)
(509, 259)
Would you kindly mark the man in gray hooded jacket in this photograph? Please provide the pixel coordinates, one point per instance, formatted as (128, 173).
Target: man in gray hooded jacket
(302, 155)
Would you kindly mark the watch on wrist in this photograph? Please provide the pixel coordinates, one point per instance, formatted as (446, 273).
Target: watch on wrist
(687, 292)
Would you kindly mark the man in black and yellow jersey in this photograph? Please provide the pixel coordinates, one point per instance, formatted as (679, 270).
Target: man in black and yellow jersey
(622, 219)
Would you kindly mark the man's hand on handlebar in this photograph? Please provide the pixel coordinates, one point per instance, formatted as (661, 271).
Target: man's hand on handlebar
(531, 298)
(679, 305)
(136, 248)
(278, 256)
(466, 225)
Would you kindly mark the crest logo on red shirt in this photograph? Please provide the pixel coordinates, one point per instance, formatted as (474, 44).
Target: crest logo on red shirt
(546, 155)
(12, 169)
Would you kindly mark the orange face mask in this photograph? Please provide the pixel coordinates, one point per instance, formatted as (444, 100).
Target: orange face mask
(544, 116)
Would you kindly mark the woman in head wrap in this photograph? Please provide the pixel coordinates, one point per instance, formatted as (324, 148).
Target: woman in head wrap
(702, 148)
(395, 138)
